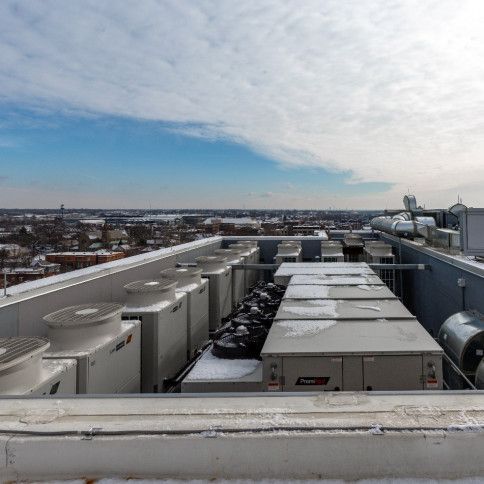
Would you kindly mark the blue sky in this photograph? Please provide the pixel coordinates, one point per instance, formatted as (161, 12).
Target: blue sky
(117, 162)
(217, 103)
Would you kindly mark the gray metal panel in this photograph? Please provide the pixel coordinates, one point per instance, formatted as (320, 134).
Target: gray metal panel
(352, 373)
(394, 372)
(333, 280)
(342, 309)
(307, 291)
(472, 231)
(320, 337)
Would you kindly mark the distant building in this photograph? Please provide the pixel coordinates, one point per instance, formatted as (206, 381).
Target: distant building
(78, 260)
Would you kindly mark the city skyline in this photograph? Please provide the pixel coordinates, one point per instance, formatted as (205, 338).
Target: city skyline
(224, 105)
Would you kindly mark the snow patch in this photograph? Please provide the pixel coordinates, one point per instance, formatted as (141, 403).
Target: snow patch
(301, 327)
(372, 308)
(320, 308)
(209, 367)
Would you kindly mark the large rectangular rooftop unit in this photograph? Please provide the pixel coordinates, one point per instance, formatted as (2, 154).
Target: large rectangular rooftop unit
(336, 280)
(219, 274)
(106, 348)
(24, 371)
(338, 309)
(287, 270)
(211, 374)
(163, 313)
(191, 283)
(350, 355)
(318, 291)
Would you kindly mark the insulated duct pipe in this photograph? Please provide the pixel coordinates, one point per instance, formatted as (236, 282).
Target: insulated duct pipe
(402, 224)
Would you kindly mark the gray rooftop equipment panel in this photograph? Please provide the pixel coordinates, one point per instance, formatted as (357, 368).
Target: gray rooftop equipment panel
(472, 231)
(352, 355)
(335, 280)
(322, 337)
(373, 309)
(364, 291)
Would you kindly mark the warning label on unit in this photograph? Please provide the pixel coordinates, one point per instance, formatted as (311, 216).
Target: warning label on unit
(432, 383)
(273, 387)
(312, 380)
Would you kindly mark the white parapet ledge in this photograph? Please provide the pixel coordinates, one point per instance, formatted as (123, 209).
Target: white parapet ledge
(52, 283)
(322, 435)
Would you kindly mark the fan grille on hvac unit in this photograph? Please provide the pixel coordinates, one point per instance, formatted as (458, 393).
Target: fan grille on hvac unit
(12, 349)
(84, 313)
(150, 285)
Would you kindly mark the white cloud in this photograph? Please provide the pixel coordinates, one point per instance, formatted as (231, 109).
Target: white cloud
(391, 91)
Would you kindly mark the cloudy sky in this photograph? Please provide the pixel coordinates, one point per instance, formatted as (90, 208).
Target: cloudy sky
(241, 104)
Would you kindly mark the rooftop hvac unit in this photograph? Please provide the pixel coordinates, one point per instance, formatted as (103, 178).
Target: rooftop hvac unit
(107, 349)
(288, 253)
(332, 251)
(462, 337)
(378, 252)
(163, 314)
(317, 291)
(352, 355)
(219, 274)
(336, 280)
(251, 256)
(23, 371)
(234, 256)
(254, 245)
(190, 282)
(353, 247)
(287, 270)
(310, 309)
(212, 374)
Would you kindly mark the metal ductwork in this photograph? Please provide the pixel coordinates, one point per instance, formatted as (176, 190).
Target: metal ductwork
(402, 224)
(405, 223)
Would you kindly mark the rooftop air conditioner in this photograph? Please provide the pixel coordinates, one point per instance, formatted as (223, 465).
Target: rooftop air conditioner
(219, 274)
(191, 283)
(107, 349)
(234, 256)
(250, 255)
(23, 371)
(163, 314)
(288, 253)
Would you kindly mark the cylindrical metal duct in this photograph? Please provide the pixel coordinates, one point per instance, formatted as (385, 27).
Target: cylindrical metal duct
(462, 338)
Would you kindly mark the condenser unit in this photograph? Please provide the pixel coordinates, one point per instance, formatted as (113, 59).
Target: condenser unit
(332, 251)
(163, 314)
(356, 292)
(234, 256)
(336, 280)
(106, 348)
(219, 274)
(23, 371)
(288, 253)
(340, 309)
(190, 282)
(350, 355)
(378, 252)
(249, 255)
(287, 270)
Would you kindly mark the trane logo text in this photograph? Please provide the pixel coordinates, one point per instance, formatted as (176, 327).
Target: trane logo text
(312, 380)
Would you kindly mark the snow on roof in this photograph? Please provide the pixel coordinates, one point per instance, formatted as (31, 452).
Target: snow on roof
(302, 327)
(232, 220)
(209, 367)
